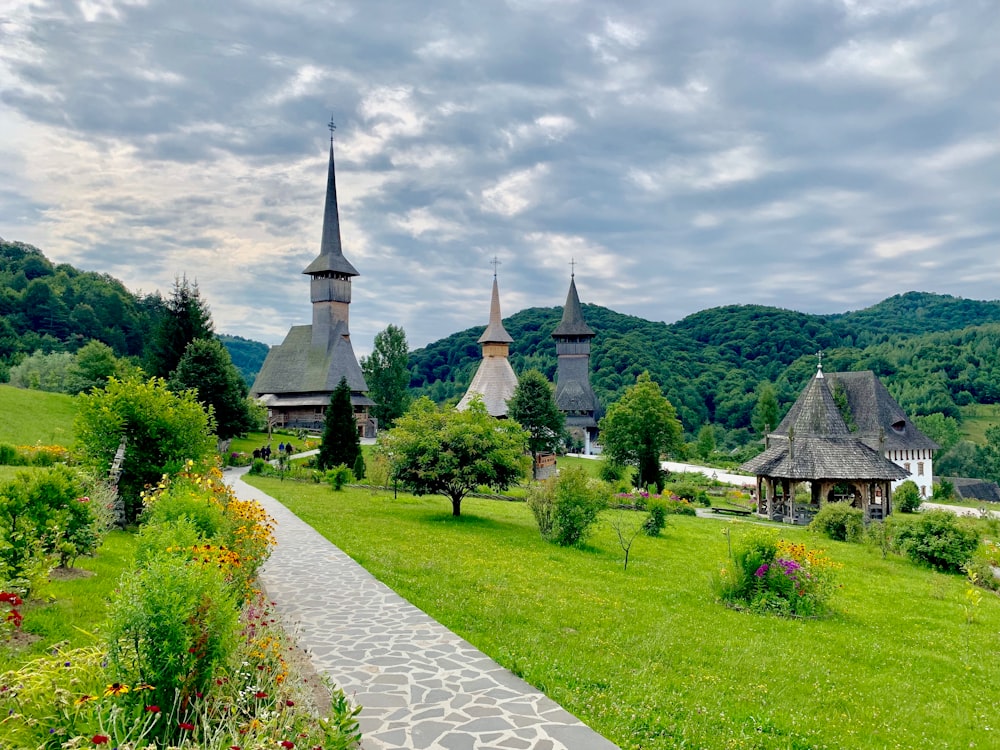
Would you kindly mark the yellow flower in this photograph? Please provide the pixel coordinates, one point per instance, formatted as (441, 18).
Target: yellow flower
(116, 688)
(84, 699)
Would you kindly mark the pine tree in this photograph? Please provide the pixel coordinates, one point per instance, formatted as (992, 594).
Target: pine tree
(533, 406)
(341, 444)
(207, 368)
(186, 318)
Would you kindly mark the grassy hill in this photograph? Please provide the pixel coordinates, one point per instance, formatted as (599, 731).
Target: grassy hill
(32, 417)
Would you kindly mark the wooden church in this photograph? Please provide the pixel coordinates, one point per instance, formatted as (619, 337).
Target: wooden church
(298, 375)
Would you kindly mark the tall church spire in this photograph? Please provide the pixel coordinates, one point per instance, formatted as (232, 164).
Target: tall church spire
(572, 323)
(494, 380)
(495, 333)
(331, 253)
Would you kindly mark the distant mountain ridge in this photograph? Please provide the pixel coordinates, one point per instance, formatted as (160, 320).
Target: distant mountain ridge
(935, 352)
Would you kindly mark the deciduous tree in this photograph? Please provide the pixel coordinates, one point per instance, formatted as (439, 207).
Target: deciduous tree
(388, 376)
(640, 427)
(163, 429)
(448, 452)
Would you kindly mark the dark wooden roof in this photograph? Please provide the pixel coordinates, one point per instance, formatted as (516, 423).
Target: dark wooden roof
(813, 458)
(975, 489)
(296, 366)
(572, 323)
(877, 415)
(331, 254)
(814, 413)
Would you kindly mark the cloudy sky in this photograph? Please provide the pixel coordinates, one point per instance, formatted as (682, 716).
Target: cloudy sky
(819, 155)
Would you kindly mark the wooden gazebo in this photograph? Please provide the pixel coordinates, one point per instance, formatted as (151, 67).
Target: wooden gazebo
(814, 445)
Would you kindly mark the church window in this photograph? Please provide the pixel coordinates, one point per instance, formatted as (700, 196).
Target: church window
(920, 468)
(907, 466)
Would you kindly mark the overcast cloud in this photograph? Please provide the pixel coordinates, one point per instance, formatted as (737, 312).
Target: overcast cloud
(819, 155)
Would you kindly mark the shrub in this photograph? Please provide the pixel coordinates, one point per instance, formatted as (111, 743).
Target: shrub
(938, 538)
(44, 519)
(656, 520)
(567, 506)
(339, 476)
(258, 466)
(359, 467)
(171, 625)
(839, 521)
(984, 565)
(906, 498)
(179, 499)
(9, 455)
(611, 472)
(768, 575)
(692, 493)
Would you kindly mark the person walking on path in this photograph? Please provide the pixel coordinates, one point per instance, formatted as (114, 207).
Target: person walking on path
(419, 684)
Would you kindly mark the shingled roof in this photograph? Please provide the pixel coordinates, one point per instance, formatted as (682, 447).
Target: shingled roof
(495, 333)
(810, 458)
(572, 323)
(878, 417)
(814, 413)
(495, 382)
(296, 366)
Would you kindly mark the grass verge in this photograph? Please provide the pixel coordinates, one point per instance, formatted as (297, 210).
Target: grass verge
(50, 422)
(650, 660)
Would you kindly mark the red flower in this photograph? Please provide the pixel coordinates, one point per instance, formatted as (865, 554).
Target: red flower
(100, 739)
(260, 694)
(287, 743)
(153, 709)
(186, 726)
(289, 703)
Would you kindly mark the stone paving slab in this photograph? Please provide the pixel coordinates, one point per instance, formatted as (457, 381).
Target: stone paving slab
(420, 685)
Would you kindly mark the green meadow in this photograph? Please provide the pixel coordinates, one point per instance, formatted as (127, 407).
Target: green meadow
(36, 417)
(649, 658)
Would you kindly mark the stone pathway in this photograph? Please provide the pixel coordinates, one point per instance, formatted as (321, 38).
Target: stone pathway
(420, 685)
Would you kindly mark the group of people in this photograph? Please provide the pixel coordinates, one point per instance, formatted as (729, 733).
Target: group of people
(265, 452)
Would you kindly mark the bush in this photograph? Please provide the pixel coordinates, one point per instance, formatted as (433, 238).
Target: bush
(180, 500)
(938, 538)
(171, 625)
(981, 568)
(9, 455)
(906, 498)
(258, 466)
(567, 506)
(359, 467)
(44, 519)
(611, 472)
(839, 521)
(692, 493)
(339, 476)
(656, 521)
(768, 575)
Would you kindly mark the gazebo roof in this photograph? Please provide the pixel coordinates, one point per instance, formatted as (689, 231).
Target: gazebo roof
(811, 458)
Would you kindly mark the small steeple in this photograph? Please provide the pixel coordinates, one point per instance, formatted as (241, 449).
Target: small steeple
(572, 323)
(495, 333)
(331, 254)
(819, 365)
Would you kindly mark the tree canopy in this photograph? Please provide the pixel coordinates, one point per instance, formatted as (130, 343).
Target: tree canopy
(388, 376)
(640, 427)
(207, 369)
(533, 406)
(162, 428)
(186, 318)
(435, 450)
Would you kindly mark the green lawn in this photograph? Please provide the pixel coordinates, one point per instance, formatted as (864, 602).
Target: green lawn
(32, 417)
(977, 418)
(649, 659)
(70, 610)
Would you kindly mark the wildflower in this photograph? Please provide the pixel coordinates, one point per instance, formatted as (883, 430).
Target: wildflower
(260, 694)
(287, 743)
(116, 688)
(100, 739)
(153, 709)
(762, 570)
(187, 727)
(143, 686)
(83, 699)
(289, 703)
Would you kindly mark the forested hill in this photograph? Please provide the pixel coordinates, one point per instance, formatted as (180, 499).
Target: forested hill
(934, 352)
(57, 308)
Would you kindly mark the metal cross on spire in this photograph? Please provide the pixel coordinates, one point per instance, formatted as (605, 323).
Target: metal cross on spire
(572, 268)
(819, 356)
(495, 263)
(333, 126)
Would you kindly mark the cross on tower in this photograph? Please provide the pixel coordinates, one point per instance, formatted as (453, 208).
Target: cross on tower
(572, 268)
(333, 126)
(819, 356)
(495, 263)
